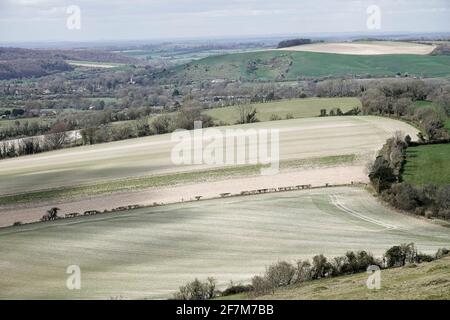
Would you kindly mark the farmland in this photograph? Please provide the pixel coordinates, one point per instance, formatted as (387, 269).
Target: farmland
(291, 65)
(299, 139)
(148, 253)
(366, 48)
(427, 165)
(297, 108)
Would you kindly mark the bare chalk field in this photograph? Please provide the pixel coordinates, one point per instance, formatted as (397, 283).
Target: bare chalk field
(149, 253)
(366, 48)
(299, 139)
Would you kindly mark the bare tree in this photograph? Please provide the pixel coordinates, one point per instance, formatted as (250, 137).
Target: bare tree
(247, 114)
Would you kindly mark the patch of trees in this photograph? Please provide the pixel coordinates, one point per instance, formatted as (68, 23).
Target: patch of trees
(284, 274)
(25, 63)
(166, 123)
(441, 50)
(385, 175)
(23, 129)
(293, 43)
(397, 100)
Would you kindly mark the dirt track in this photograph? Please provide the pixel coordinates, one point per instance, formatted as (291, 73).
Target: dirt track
(313, 176)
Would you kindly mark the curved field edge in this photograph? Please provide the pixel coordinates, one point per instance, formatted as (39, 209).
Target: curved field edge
(140, 183)
(149, 253)
(366, 48)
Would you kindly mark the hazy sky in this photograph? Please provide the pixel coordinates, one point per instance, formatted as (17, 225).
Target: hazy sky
(39, 20)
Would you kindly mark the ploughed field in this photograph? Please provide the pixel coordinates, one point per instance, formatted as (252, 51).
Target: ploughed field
(149, 253)
(366, 48)
(299, 139)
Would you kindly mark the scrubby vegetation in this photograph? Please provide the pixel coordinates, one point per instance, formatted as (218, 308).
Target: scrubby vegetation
(284, 274)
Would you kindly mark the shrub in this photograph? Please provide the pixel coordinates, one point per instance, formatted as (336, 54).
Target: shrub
(398, 256)
(320, 267)
(303, 272)
(280, 274)
(236, 289)
(275, 117)
(261, 286)
(197, 290)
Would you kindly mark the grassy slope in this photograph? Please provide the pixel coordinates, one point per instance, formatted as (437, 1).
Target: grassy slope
(298, 108)
(150, 252)
(271, 65)
(428, 164)
(426, 281)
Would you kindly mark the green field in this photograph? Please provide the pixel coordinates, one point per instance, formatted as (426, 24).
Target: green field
(149, 253)
(428, 164)
(298, 108)
(282, 65)
(427, 281)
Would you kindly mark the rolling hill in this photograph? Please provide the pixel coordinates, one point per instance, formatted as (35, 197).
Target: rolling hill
(291, 65)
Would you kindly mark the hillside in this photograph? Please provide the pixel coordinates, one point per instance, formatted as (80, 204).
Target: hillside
(286, 65)
(26, 63)
(425, 281)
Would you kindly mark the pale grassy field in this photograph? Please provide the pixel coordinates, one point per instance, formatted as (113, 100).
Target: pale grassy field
(149, 253)
(298, 108)
(299, 139)
(90, 64)
(366, 48)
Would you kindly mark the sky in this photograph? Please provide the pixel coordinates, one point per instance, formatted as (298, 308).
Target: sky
(96, 20)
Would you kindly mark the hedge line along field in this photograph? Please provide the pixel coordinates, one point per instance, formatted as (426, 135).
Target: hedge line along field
(290, 65)
(427, 165)
(299, 139)
(149, 253)
(297, 108)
